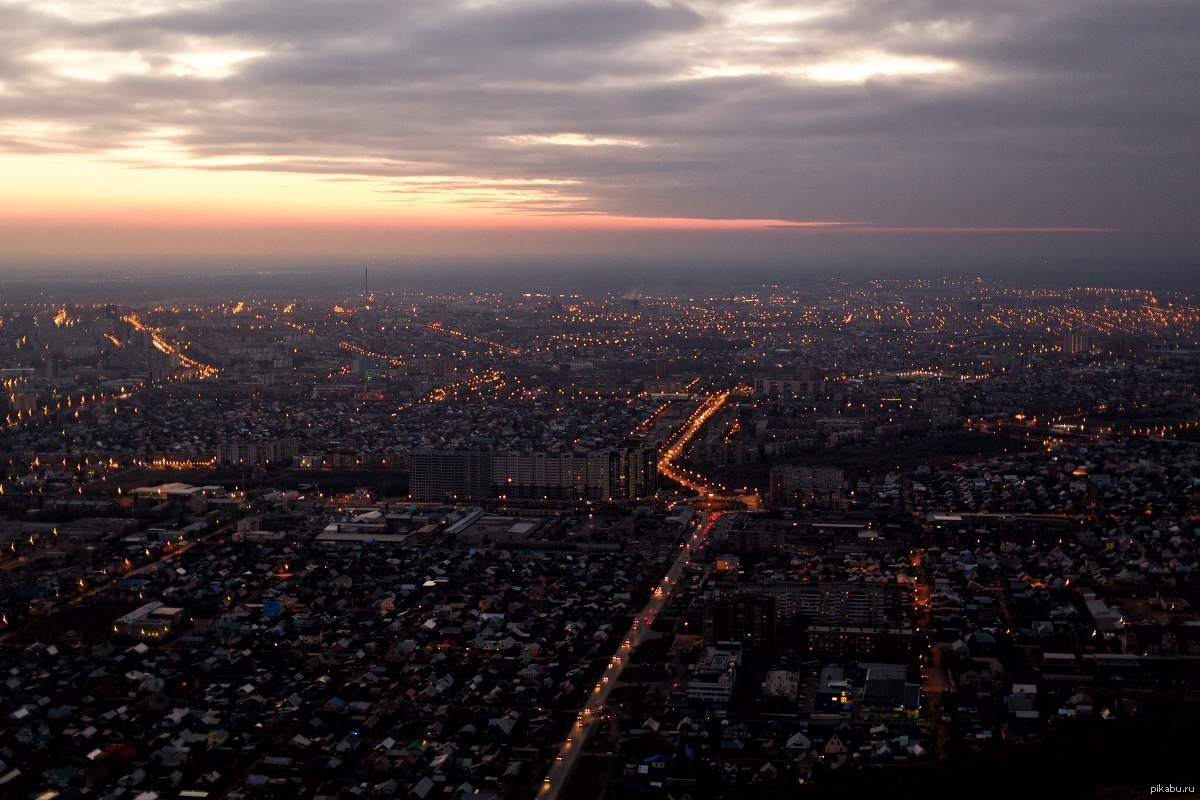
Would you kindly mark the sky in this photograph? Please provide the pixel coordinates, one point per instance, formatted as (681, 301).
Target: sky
(1035, 134)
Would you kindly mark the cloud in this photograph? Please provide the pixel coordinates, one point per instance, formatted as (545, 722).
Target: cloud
(926, 114)
(572, 140)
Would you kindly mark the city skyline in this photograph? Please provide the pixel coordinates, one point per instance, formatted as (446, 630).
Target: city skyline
(741, 133)
(836, 539)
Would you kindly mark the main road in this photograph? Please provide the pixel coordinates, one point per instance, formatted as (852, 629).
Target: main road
(568, 753)
(581, 729)
(675, 446)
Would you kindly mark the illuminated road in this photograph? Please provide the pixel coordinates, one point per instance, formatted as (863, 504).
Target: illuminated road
(560, 770)
(678, 443)
(564, 763)
(167, 347)
(470, 337)
(936, 684)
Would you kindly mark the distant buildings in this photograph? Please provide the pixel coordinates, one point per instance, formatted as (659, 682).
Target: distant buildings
(450, 474)
(1030, 551)
(840, 643)
(796, 485)
(836, 602)
(841, 619)
(278, 452)
(624, 473)
(789, 387)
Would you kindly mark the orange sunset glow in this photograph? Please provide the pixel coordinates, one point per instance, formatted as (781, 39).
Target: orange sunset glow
(198, 128)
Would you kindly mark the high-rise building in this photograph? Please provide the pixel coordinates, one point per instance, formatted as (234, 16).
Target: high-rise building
(624, 473)
(838, 603)
(273, 452)
(632, 472)
(748, 619)
(794, 485)
(437, 475)
(1072, 343)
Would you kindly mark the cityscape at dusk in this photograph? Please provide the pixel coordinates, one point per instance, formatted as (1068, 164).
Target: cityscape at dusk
(569, 545)
(633, 400)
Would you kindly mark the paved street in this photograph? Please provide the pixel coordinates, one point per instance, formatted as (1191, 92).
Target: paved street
(564, 763)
